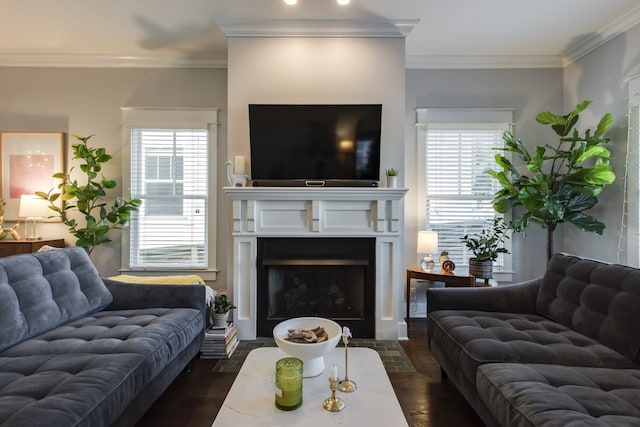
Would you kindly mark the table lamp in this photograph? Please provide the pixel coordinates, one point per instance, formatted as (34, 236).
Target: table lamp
(427, 243)
(34, 209)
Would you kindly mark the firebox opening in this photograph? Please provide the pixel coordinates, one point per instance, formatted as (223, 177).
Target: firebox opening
(320, 277)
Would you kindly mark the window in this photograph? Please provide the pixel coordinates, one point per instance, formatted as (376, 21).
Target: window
(456, 193)
(631, 211)
(170, 173)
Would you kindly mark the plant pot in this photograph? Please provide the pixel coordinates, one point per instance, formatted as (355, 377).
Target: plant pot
(392, 181)
(481, 269)
(218, 319)
(442, 258)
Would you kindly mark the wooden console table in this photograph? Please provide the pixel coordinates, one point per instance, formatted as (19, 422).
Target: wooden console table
(447, 279)
(15, 247)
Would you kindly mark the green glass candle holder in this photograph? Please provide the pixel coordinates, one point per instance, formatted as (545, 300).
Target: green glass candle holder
(289, 383)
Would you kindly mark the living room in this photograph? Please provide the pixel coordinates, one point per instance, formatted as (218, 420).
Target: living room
(85, 94)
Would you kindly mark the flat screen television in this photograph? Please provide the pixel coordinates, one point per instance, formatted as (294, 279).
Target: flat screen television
(315, 145)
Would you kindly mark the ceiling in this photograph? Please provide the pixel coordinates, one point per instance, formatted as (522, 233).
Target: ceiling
(443, 33)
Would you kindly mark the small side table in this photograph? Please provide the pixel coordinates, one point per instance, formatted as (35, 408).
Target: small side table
(436, 276)
(14, 247)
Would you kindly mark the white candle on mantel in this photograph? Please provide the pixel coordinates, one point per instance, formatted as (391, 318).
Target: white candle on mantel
(239, 165)
(334, 372)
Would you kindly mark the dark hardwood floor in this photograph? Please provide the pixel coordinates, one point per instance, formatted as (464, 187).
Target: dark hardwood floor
(195, 397)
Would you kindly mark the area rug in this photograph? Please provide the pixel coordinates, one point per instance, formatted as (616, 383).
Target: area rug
(392, 354)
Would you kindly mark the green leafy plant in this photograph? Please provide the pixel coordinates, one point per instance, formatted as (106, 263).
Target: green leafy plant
(392, 172)
(563, 181)
(222, 305)
(89, 198)
(490, 242)
(444, 253)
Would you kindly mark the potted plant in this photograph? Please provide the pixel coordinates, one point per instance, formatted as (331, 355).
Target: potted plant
(563, 181)
(89, 198)
(220, 310)
(444, 255)
(486, 247)
(392, 177)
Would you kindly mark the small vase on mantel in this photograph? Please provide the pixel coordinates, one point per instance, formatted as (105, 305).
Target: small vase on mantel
(392, 181)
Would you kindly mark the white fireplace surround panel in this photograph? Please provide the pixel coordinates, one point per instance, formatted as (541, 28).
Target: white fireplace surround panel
(320, 212)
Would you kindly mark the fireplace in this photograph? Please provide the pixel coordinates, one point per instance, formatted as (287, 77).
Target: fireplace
(330, 218)
(320, 277)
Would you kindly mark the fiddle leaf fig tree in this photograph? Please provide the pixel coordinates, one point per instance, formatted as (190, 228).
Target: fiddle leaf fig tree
(562, 182)
(89, 198)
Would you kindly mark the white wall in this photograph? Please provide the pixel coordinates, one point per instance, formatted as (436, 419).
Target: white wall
(316, 71)
(601, 76)
(88, 101)
(528, 91)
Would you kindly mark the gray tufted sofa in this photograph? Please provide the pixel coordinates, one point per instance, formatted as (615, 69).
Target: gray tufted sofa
(77, 350)
(561, 350)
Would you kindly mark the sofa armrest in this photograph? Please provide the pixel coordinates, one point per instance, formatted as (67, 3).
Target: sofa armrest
(134, 295)
(515, 298)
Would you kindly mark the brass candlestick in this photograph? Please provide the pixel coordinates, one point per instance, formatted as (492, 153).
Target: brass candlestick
(333, 403)
(346, 385)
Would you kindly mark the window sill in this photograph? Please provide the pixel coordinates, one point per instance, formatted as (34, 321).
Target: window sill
(208, 275)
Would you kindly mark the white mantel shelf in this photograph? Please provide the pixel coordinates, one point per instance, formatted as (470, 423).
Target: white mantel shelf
(320, 212)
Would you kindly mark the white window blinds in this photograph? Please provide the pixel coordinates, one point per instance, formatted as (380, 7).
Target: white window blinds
(169, 173)
(456, 192)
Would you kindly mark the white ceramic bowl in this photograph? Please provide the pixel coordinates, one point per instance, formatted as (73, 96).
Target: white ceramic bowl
(311, 354)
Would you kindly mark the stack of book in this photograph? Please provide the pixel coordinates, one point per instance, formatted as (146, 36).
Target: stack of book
(219, 342)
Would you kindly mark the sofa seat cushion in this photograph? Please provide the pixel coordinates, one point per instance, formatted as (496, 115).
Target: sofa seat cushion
(472, 338)
(552, 395)
(158, 334)
(68, 389)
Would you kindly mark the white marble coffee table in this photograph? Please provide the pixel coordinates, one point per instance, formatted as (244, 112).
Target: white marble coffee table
(250, 401)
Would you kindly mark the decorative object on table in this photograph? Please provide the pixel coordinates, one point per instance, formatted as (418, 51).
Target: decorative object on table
(219, 310)
(237, 178)
(346, 385)
(219, 342)
(486, 247)
(310, 353)
(392, 177)
(6, 231)
(88, 200)
(444, 255)
(333, 403)
(289, 383)
(33, 209)
(427, 244)
(565, 180)
(448, 266)
(29, 160)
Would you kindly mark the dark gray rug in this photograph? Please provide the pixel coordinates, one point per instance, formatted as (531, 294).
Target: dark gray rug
(392, 354)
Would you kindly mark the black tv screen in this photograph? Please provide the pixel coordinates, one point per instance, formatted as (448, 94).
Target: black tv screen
(315, 144)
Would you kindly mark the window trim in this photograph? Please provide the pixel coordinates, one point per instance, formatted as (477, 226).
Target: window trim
(175, 118)
(449, 118)
(631, 208)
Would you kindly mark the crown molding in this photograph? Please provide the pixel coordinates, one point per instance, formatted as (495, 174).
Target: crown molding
(600, 37)
(317, 28)
(108, 61)
(482, 62)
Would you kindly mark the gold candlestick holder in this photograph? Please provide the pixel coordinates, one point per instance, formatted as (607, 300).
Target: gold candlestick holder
(346, 385)
(333, 403)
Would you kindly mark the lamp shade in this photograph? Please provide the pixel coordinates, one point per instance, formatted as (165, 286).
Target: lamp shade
(427, 242)
(33, 207)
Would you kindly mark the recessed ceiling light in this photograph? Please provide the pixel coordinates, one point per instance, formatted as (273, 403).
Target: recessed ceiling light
(343, 2)
(291, 2)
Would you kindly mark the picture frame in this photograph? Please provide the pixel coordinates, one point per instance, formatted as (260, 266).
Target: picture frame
(28, 161)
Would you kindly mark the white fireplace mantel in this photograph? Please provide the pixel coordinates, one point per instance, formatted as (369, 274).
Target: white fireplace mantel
(320, 212)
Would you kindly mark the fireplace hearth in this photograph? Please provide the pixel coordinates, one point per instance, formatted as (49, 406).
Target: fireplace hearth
(320, 277)
(373, 215)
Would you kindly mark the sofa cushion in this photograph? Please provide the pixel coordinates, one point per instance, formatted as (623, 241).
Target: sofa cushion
(157, 333)
(41, 291)
(472, 338)
(68, 389)
(596, 299)
(551, 395)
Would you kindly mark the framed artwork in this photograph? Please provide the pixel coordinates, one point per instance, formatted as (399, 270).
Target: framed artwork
(28, 161)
